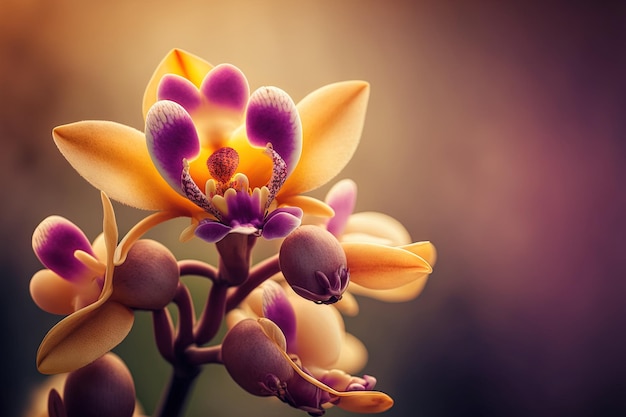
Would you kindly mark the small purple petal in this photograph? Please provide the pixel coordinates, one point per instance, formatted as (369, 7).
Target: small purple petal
(180, 90)
(171, 137)
(277, 308)
(244, 209)
(212, 231)
(226, 86)
(281, 222)
(54, 241)
(342, 199)
(272, 117)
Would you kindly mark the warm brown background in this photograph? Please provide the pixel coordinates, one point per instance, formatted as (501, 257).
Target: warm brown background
(494, 129)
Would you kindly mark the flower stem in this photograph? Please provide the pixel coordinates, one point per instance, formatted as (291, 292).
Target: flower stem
(181, 381)
(258, 274)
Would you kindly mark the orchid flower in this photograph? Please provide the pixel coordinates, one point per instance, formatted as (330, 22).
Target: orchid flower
(230, 161)
(384, 263)
(80, 282)
(314, 343)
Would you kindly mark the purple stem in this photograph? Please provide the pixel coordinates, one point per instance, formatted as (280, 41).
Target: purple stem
(186, 318)
(213, 313)
(258, 274)
(193, 267)
(164, 333)
(203, 355)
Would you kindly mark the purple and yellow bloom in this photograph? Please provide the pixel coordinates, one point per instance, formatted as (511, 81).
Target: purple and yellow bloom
(310, 355)
(384, 262)
(80, 282)
(229, 160)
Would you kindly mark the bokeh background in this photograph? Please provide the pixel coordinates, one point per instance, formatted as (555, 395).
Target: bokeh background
(495, 129)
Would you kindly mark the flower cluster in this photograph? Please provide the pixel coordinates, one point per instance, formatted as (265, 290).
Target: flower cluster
(237, 164)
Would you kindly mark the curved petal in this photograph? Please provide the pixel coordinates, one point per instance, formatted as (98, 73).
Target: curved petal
(137, 231)
(52, 293)
(225, 86)
(281, 222)
(180, 90)
(272, 117)
(332, 121)
(278, 309)
(212, 231)
(424, 249)
(54, 242)
(342, 198)
(400, 294)
(309, 205)
(171, 138)
(366, 402)
(383, 267)
(375, 227)
(353, 356)
(114, 158)
(177, 62)
(320, 333)
(83, 337)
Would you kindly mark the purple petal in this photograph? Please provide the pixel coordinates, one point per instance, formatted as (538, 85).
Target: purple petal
(272, 117)
(212, 231)
(180, 90)
(54, 241)
(226, 86)
(277, 308)
(281, 222)
(171, 137)
(342, 199)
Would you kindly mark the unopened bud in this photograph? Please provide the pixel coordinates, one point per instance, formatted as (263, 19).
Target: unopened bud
(148, 278)
(104, 388)
(253, 359)
(314, 264)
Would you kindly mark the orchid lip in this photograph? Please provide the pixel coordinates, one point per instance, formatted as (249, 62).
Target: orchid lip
(55, 242)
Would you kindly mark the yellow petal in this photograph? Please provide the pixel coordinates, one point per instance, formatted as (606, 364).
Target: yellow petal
(320, 333)
(332, 121)
(424, 249)
(394, 295)
(114, 158)
(52, 293)
(365, 402)
(375, 227)
(311, 206)
(84, 336)
(137, 231)
(177, 62)
(353, 356)
(383, 267)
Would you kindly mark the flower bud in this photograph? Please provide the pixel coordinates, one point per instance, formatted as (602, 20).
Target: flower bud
(148, 278)
(314, 264)
(104, 388)
(253, 354)
(253, 359)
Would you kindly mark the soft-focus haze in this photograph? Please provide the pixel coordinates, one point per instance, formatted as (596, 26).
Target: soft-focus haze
(494, 129)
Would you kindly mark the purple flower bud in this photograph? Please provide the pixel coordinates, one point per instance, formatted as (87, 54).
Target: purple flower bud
(254, 360)
(253, 354)
(148, 278)
(104, 388)
(314, 264)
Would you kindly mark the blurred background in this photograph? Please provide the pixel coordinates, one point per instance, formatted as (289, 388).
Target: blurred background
(495, 129)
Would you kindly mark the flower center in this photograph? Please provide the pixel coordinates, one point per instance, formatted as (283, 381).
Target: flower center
(226, 192)
(222, 164)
